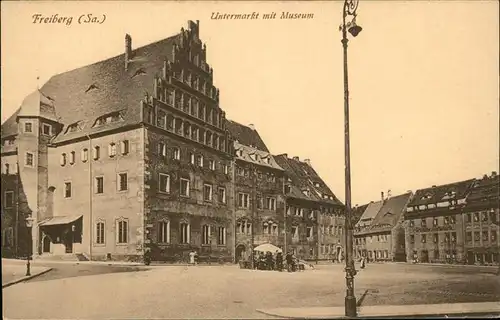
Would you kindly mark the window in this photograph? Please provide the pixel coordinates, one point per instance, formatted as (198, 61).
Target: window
(477, 236)
(476, 216)
(271, 203)
(164, 232)
(124, 147)
(485, 235)
(122, 234)
(72, 157)
(191, 158)
(184, 187)
(207, 192)
(99, 185)
(163, 183)
(225, 168)
(453, 220)
(29, 160)
(265, 228)
(112, 149)
(199, 161)
(493, 216)
(162, 149)
(85, 155)
(205, 234)
(67, 189)
(211, 164)
(435, 238)
(243, 200)
(484, 216)
(295, 232)
(28, 127)
(469, 218)
(99, 233)
(9, 199)
(122, 181)
(309, 232)
(435, 222)
(424, 240)
(493, 236)
(423, 222)
(446, 220)
(454, 237)
(185, 234)
(222, 195)
(468, 236)
(274, 229)
(63, 159)
(244, 227)
(412, 223)
(177, 153)
(46, 129)
(7, 168)
(221, 239)
(412, 239)
(97, 153)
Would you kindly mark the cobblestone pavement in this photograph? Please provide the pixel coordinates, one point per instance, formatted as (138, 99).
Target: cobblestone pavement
(229, 292)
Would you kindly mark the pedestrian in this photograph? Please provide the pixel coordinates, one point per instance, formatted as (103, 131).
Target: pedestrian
(363, 262)
(192, 257)
(289, 261)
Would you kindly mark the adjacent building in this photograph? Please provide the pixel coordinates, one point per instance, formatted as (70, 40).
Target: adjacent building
(135, 153)
(455, 223)
(379, 234)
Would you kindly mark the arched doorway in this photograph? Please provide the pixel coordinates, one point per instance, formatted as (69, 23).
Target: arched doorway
(240, 251)
(46, 244)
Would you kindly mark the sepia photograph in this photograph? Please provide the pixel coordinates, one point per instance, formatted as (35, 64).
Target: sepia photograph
(250, 159)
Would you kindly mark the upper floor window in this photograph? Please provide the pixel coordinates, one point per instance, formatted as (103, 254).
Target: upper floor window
(67, 190)
(122, 181)
(99, 185)
(62, 161)
(85, 155)
(46, 129)
(295, 231)
(222, 195)
(207, 192)
(199, 161)
(29, 160)
(271, 203)
(184, 187)
(225, 168)
(177, 153)
(423, 222)
(163, 183)
(124, 147)
(97, 153)
(112, 149)
(435, 222)
(162, 149)
(211, 164)
(28, 127)
(309, 231)
(72, 157)
(243, 200)
(9, 199)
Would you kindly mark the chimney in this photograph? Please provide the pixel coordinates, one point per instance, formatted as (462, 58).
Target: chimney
(251, 126)
(382, 195)
(296, 158)
(128, 49)
(308, 161)
(493, 173)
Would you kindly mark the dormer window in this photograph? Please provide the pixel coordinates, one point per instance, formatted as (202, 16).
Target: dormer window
(74, 127)
(305, 192)
(426, 197)
(253, 156)
(316, 184)
(108, 118)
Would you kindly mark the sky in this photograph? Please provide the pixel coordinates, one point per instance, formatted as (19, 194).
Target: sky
(423, 78)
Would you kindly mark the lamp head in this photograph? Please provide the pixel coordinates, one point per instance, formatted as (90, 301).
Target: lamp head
(354, 29)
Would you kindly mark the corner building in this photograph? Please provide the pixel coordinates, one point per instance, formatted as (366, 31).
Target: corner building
(138, 156)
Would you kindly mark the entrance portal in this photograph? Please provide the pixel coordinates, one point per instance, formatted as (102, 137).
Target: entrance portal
(68, 242)
(46, 244)
(240, 250)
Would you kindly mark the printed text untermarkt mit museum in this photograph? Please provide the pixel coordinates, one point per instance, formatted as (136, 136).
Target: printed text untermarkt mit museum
(263, 16)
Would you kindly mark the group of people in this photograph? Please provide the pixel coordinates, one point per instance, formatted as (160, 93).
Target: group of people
(276, 261)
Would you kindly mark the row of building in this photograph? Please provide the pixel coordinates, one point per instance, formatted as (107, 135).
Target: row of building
(451, 223)
(135, 153)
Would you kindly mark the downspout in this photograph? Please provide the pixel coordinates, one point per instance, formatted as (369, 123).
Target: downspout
(285, 216)
(17, 210)
(233, 195)
(90, 156)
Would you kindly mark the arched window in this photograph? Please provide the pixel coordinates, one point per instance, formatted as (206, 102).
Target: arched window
(122, 231)
(185, 233)
(100, 232)
(63, 159)
(205, 234)
(164, 231)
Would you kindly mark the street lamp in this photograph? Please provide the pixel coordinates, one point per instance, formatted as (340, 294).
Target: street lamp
(29, 225)
(349, 10)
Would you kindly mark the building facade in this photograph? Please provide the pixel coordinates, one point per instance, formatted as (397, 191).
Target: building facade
(134, 153)
(379, 234)
(455, 223)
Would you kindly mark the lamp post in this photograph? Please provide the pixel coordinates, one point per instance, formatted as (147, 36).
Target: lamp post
(349, 10)
(29, 226)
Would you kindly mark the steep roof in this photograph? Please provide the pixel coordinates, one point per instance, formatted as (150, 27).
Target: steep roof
(485, 189)
(37, 104)
(9, 127)
(246, 135)
(358, 211)
(304, 178)
(84, 94)
(255, 156)
(445, 192)
(370, 213)
(391, 211)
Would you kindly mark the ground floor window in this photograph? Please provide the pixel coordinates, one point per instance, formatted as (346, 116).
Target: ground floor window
(185, 233)
(221, 240)
(164, 232)
(205, 234)
(99, 232)
(122, 232)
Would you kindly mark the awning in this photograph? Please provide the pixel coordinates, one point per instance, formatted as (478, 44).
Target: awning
(59, 220)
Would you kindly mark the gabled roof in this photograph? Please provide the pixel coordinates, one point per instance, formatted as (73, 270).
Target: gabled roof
(84, 94)
(305, 182)
(445, 192)
(255, 156)
(485, 189)
(370, 213)
(246, 135)
(391, 211)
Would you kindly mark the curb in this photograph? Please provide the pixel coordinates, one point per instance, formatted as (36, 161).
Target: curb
(25, 278)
